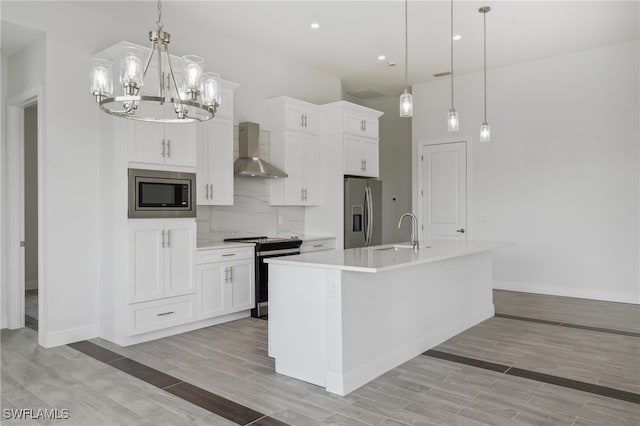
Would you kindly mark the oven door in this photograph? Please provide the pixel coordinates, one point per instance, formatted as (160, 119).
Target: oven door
(262, 275)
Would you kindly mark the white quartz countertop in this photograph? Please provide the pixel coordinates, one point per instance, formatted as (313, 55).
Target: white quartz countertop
(386, 258)
(210, 244)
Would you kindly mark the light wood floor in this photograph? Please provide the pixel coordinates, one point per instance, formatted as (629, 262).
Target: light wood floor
(230, 360)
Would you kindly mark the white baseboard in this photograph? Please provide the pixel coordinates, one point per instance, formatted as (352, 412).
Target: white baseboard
(581, 293)
(353, 379)
(64, 337)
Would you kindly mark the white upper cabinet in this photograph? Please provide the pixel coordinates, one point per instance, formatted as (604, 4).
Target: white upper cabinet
(295, 148)
(292, 114)
(298, 155)
(361, 124)
(359, 128)
(215, 153)
(345, 117)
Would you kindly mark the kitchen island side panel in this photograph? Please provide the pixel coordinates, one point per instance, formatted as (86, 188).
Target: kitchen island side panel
(342, 329)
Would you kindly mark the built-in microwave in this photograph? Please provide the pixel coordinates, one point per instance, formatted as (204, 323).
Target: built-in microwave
(158, 193)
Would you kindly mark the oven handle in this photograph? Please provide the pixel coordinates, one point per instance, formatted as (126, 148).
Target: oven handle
(280, 252)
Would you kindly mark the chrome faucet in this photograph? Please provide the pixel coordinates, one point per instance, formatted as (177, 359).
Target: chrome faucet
(414, 230)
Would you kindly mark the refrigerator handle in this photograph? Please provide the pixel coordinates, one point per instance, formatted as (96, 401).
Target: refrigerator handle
(370, 219)
(366, 216)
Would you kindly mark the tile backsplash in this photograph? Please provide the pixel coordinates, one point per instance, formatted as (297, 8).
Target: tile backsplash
(251, 213)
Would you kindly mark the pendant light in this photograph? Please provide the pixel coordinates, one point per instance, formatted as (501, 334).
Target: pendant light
(406, 100)
(485, 130)
(196, 98)
(453, 123)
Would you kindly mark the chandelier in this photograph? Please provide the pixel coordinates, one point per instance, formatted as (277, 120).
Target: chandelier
(194, 98)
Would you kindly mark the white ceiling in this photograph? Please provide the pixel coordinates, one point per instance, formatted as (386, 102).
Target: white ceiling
(353, 33)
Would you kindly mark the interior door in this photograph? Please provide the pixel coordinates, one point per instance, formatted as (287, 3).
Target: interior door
(443, 191)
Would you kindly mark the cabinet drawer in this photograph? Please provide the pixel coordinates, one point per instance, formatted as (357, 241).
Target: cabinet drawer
(159, 314)
(224, 255)
(318, 245)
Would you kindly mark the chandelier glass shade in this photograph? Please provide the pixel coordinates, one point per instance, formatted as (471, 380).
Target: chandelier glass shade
(194, 98)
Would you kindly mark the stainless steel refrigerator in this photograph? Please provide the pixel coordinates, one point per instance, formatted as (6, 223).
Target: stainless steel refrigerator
(362, 212)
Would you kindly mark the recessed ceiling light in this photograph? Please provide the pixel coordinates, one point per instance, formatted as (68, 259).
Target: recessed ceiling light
(314, 26)
(457, 37)
(381, 57)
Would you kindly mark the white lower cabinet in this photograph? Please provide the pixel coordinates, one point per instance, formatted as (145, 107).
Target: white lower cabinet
(162, 259)
(162, 313)
(226, 280)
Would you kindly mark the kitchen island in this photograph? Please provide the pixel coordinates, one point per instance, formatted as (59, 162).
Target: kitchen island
(341, 318)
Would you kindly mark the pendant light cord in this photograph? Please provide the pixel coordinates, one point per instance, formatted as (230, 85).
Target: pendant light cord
(406, 47)
(484, 17)
(452, 54)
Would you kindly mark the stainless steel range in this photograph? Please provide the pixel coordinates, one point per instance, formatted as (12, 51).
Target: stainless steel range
(266, 248)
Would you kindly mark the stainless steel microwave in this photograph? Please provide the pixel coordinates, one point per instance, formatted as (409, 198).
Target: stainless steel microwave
(161, 194)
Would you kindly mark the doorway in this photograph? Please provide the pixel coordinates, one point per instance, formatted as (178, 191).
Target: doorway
(442, 190)
(30, 150)
(24, 212)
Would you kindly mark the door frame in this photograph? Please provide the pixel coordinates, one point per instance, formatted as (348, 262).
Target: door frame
(15, 210)
(420, 186)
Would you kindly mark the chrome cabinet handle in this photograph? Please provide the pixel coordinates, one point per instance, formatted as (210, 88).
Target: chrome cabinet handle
(169, 238)
(166, 313)
(461, 230)
(228, 254)
(206, 191)
(364, 125)
(162, 238)
(226, 274)
(211, 191)
(230, 274)
(168, 147)
(301, 120)
(365, 165)
(163, 148)
(301, 194)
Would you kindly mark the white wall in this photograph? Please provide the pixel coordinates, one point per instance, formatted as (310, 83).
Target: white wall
(560, 175)
(70, 249)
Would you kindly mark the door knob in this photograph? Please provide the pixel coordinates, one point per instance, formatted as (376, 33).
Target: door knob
(461, 230)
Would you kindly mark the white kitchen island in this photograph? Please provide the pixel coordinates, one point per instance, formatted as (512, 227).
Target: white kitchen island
(341, 318)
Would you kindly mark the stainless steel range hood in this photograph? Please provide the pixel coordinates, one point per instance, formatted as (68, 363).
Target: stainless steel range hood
(249, 164)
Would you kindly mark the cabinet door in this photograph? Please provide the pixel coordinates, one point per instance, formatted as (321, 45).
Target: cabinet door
(180, 260)
(202, 164)
(146, 142)
(294, 159)
(301, 119)
(240, 280)
(220, 159)
(212, 290)
(311, 170)
(181, 144)
(371, 157)
(353, 123)
(146, 261)
(353, 161)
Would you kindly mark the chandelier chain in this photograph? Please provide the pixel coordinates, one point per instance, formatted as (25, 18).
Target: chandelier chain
(159, 21)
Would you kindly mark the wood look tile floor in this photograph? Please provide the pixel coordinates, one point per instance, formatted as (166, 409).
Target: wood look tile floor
(229, 363)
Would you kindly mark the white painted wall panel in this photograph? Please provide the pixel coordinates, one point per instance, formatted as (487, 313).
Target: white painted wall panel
(560, 175)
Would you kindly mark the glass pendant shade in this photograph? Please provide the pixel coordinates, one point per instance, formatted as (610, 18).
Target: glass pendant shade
(485, 132)
(453, 124)
(211, 89)
(101, 78)
(406, 105)
(193, 66)
(131, 69)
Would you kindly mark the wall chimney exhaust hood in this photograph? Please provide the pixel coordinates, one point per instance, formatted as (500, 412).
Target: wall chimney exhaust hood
(249, 164)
